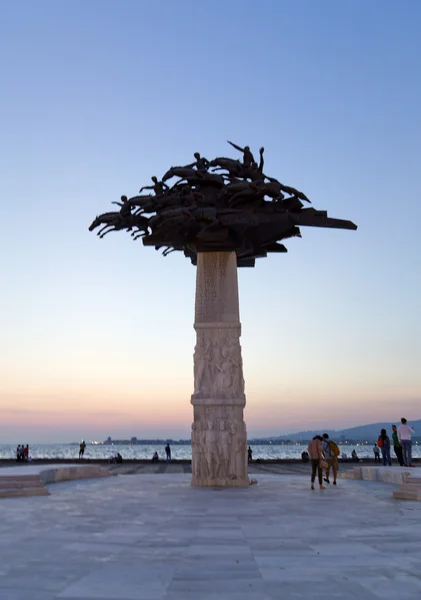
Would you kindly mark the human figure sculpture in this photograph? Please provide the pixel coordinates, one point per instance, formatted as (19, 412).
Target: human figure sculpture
(248, 158)
(126, 207)
(225, 450)
(238, 454)
(211, 450)
(239, 208)
(159, 187)
(234, 369)
(198, 443)
(201, 163)
(262, 160)
(202, 366)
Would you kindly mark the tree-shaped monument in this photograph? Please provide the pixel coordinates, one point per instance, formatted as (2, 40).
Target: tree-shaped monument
(222, 214)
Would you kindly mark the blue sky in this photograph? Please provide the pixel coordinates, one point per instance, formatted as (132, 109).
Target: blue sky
(97, 335)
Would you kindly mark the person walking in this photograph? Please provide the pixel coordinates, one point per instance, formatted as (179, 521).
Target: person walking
(315, 451)
(376, 451)
(396, 445)
(405, 439)
(249, 454)
(384, 443)
(331, 453)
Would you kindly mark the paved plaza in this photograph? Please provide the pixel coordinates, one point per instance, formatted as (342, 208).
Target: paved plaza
(153, 537)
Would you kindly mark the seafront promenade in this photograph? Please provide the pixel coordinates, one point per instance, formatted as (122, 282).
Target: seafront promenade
(274, 466)
(150, 536)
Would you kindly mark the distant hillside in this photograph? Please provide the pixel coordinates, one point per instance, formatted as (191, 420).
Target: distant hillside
(360, 433)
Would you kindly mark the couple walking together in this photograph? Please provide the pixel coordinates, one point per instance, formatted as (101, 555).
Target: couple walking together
(324, 455)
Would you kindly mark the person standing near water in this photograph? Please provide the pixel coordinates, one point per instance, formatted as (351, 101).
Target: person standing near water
(384, 443)
(168, 452)
(376, 451)
(82, 447)
(396, 445)
(315, 451)
(405, 439)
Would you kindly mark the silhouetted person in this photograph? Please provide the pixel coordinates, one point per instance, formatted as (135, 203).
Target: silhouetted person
(168, 452)
(250, 454)
(304, 456)
(355, 456)
(82, 447)
(18, 455)
(155, 457)
(26, 453)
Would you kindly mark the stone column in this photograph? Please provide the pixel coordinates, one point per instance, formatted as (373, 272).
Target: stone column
(219, 438)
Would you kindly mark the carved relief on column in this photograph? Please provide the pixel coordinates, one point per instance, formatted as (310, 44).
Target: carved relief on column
(219, 444)
(218, 366)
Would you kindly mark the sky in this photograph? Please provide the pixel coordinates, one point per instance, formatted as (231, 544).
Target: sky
(97, 335)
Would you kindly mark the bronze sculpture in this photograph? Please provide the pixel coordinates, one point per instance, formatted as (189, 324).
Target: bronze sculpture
(234, 208)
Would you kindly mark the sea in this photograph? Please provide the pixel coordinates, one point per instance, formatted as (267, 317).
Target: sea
(145, 451)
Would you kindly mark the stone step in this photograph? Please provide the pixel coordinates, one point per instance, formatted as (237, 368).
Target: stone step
(415, 487)
(20, 483)
(409, 479)
(17, 493)
(22, 477)
(407, 495)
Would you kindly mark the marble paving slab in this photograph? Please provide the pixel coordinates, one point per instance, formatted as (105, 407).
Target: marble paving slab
(154, 537)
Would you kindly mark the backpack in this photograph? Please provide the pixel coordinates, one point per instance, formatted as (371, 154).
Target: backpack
(380, 442)
(334, 450)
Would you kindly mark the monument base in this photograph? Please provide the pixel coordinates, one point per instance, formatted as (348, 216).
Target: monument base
(219, 437)
(220, 482)
(219, 443)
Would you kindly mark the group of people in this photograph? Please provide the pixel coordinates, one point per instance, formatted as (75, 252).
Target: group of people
(323, 454)
(402, 445)
(22, 453)
(155, 457)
